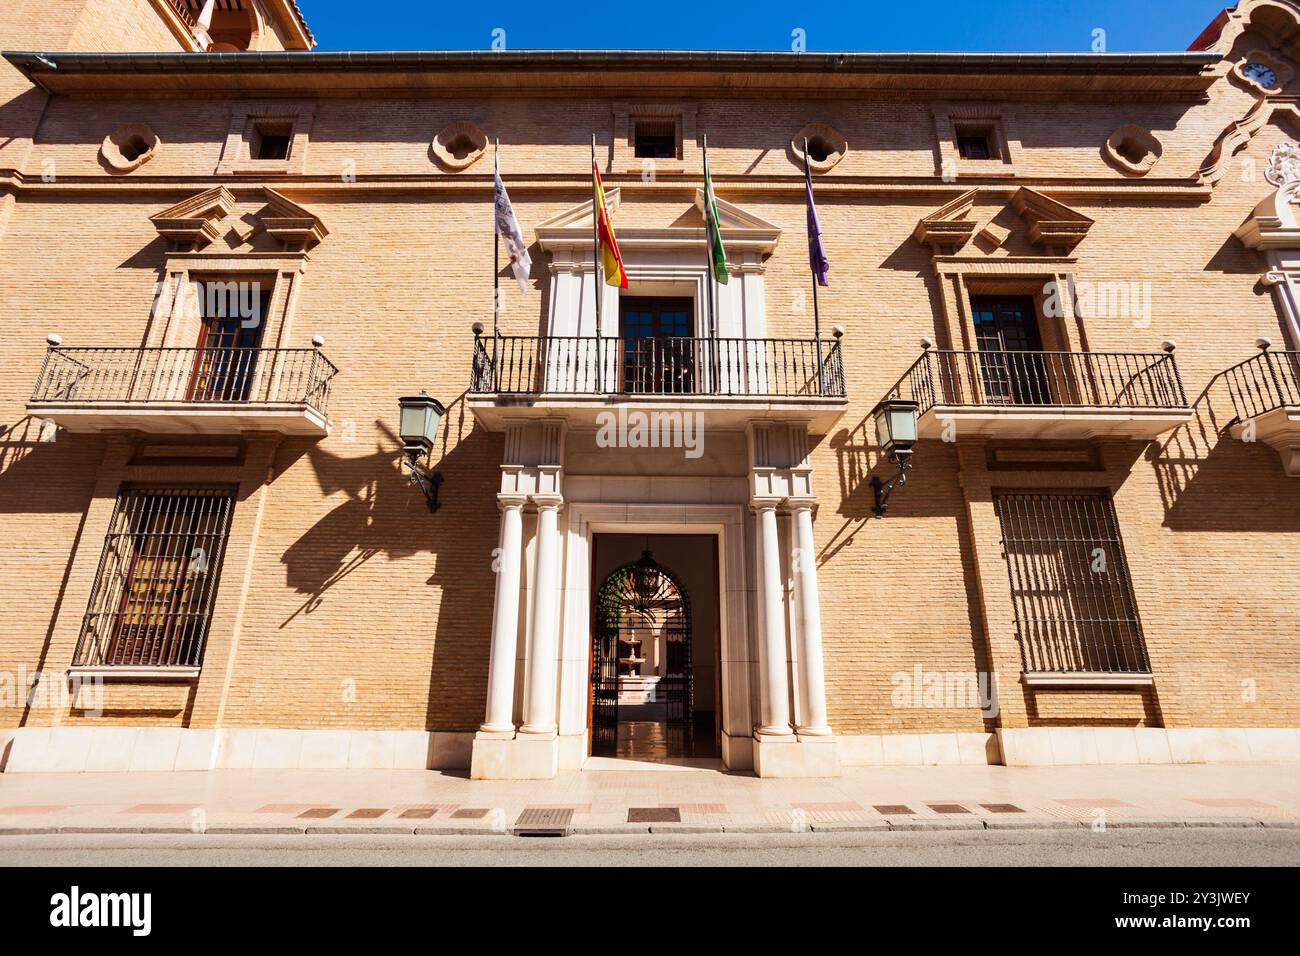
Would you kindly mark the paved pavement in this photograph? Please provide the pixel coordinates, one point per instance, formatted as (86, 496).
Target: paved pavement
(1075, 848)
(699, 800)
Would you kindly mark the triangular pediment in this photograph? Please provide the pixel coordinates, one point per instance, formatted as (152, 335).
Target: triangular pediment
(1049, 226)
(1052, 224)
(196, 222)
(950, 226)
(740, 228)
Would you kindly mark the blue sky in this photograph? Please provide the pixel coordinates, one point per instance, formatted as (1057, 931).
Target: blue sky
(1129, 25)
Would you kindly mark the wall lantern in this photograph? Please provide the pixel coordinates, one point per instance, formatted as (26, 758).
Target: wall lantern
(418, 427)
(896, 427)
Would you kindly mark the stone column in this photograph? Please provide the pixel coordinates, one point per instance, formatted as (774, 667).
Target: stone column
(539, 710)
(812, 670)
(775, 697)
(505, 621)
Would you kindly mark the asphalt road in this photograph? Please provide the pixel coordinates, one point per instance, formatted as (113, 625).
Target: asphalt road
(1115, 847)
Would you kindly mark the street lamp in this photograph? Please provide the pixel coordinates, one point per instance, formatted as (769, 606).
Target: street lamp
(896, 433)
(418, 427)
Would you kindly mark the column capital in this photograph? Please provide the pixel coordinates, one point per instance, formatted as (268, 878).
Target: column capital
(548, 502)
(801, 504)
(758, 505)
(505, 501)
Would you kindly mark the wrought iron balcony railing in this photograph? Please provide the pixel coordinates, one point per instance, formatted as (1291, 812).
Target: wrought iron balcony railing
(1109, 380)
(199, 376)
(1264, 382)
(677, 366)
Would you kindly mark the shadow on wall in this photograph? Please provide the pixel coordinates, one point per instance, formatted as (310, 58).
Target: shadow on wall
(386, 517)
(1211, 481)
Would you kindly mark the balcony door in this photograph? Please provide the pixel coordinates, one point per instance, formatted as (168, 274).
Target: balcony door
(226, 357)
(659, 354)
(1013, 368)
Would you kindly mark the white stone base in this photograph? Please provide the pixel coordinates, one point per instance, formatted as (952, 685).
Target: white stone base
(522, 757)
(120, 749)
(919, 750)
(1067, 746)
(737, 752)
(796, 756)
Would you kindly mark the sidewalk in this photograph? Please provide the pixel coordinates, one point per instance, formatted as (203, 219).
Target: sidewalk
(652, 800)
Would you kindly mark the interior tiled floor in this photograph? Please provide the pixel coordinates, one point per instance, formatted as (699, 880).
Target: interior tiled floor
(659, 740)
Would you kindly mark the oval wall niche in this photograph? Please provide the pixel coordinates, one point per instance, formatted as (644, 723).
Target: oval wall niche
(1133, 149)
(129, 147)
(826, 146)
(459, 145)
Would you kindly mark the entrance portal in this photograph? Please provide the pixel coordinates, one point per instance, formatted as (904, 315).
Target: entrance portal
(653, 660)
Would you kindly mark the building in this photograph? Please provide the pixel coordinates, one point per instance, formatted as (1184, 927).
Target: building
(656, 533)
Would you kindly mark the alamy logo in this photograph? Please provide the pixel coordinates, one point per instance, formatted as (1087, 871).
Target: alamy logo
(73, 909)
(638, 429)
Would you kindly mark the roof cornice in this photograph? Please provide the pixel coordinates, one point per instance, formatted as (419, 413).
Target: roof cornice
(616, 70)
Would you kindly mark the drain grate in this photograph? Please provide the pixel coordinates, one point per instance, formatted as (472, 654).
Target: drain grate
(1002, 808)
(366, 813)
(542, 821)
(419, 813)
(654, 815)
(947, 808)
(892, 809)
(470, 813)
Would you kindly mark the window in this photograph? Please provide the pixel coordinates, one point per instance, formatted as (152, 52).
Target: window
(225, 362)
(152, 600)
(977, 142)
(658, 351)
(270, 141)
(655, 138)
(1074, 605)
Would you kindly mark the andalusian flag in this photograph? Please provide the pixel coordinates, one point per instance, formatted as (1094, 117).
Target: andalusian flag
(611, 259)
(713, 226)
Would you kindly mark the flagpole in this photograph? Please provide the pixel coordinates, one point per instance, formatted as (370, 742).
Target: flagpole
(708, 255)
(817, 318)
(496, 261)
(595, 260)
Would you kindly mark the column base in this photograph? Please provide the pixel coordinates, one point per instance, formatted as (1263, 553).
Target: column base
(796, 756)
(510, 757)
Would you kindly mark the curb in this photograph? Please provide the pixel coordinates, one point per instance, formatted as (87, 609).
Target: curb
(846, 826)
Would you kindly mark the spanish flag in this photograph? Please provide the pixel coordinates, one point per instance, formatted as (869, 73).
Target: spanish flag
(611, 259)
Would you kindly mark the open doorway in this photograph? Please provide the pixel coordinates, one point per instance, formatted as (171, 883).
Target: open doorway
(654, 688)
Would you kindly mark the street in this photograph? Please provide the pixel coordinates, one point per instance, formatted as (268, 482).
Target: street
(1117, 846)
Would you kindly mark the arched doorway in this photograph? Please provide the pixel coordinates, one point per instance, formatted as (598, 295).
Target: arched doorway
(641, 664)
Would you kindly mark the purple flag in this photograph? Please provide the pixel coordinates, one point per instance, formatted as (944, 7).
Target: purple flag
(817, 260)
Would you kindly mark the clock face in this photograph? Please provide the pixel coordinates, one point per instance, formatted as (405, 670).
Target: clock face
(1260, 74)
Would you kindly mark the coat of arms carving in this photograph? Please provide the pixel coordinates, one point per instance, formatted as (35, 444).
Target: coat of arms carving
(1284, 165)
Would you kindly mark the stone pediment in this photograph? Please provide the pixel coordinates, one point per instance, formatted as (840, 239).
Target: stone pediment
(1275, 222)
(1049, 226)
(197, 222)
(741, 230)
(1052, 224)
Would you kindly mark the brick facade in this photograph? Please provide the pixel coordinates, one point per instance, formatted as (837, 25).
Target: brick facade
(344, 605)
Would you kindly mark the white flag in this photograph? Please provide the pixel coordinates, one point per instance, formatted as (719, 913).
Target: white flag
(508, 229)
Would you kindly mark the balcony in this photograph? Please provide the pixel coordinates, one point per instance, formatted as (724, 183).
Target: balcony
(204, 391)
(1047, 395)
(1265, 393)
(732, 381)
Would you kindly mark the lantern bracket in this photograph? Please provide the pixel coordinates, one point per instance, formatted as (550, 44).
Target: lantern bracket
(883, 489)
(427, 481)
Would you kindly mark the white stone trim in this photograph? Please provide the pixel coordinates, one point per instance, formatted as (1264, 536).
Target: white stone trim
(1085, 679)
(737, 659)
(121, 749)
(1069, 746)
(135, 673)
